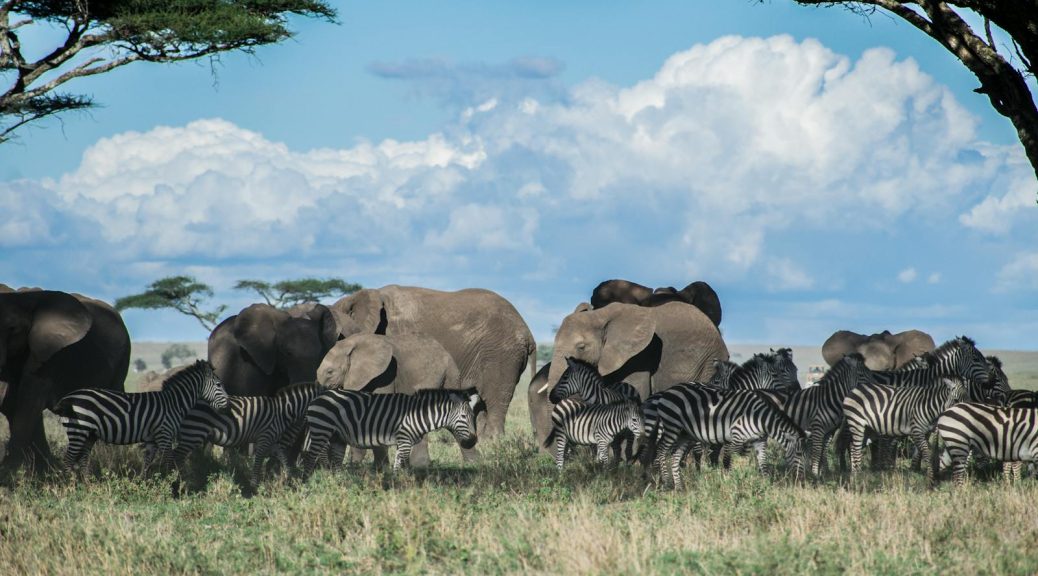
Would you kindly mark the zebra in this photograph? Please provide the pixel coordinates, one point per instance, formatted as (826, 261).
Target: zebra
(582, 379)
(367, 420)
(818, 410)
(764, 371)
(271, 423)
(692, 412)
(908, 411)
(785, 369)
(1000, 385)
(956, 357)
(997, 432)
(574, 422)
(152, 418)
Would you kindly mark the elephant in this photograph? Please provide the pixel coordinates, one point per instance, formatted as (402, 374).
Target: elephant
(649, 348)
(882, 351)
(698, 294)
(389, 364)
(52, 343)
(484, 334)
(262, 348)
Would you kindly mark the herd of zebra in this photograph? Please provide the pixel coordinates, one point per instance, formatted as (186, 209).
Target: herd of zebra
(953, 390)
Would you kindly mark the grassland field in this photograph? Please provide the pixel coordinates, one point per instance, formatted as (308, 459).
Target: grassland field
(513, 513)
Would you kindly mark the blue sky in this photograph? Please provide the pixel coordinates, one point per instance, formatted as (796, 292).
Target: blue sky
(821, 171)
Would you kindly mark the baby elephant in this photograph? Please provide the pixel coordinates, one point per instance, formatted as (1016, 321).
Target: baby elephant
(574, 422)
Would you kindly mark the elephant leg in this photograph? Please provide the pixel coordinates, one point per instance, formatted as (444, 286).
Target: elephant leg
(28, 443)
(420, 454)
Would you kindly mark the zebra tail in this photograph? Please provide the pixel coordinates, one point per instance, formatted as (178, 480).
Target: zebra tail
(550, 439)
(63, 408)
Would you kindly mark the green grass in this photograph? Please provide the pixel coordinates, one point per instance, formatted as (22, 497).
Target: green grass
(511, 512)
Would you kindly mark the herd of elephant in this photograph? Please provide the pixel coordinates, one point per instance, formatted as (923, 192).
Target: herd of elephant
(391, 339)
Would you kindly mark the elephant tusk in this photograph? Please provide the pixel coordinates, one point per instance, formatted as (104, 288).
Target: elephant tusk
(543, 388)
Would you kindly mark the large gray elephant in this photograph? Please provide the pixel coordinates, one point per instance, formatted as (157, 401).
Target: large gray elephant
(487, 338)
(650, 348)
(882, 351)
(699, 294)
(52, 343)
(389, 364)
(262, 348)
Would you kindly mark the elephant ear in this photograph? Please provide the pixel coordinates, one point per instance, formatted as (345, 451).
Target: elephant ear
(366, 308)
(909, 344)
(369, 360)
(582, 307)
(842, 342)
(58, 321)
(628, 331)
(255, 329)
(327, 327)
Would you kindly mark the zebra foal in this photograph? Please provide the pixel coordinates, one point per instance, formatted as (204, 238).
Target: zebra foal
(367, 420)
(574, 422)
(152, 418)
(271, 423)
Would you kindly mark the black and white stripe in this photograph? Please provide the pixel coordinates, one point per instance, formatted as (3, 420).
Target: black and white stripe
(818, 410)
(583, 380)
(579, 423)
(271, 423)
(957, 357)
(367, 420)
(996, 432)
(153, 418)
(692, 412)
(908, 411)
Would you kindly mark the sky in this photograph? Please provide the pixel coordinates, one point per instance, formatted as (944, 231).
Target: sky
(820, 170)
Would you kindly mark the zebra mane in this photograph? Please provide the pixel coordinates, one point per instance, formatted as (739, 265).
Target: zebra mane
(947, 348)
(187, 375)
(838, 370)
(581, 365)
(435, 394)
(286, 390)
(757, 359)
(995, 361)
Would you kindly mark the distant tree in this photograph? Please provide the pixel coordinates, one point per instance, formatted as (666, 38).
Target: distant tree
(97, 36)
(1002, 75)
(176, 352)
(139, 365)
(288, 293)
(181, 293)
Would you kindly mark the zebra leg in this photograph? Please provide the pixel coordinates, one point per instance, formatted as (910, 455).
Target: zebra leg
(759, 448)
(675, 467)
(560, 450)
(404, 444)
(261, 451)
(602, 453)
(857, 444)
(958, 465)
(842, 446)
(818, 440)
(696, 447)
(920, 438)
(315, 448)
(332, 457)
(79, 445)
(660, 463)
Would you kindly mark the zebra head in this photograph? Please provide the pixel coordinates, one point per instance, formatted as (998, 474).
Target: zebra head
(723, 370)
(577, 380)
(998, 391)
(784, 370)
(849, 372)
(960, 357)
(212, 389)
(959, 391)
(462, 416)
(635, 419)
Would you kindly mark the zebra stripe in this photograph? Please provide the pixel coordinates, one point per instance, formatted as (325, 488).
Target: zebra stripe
(909, 411)
(272, 423)
(957, 357)
(367, 420)
(999, 433)
(579, 423)
(583, 380)
(151, 417)
(693, 412)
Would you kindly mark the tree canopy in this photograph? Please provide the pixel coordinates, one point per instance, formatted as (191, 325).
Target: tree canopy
(1002, 56)
(101, 35)
(187, 295)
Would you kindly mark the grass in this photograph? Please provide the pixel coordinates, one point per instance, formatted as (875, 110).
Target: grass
(511, 512)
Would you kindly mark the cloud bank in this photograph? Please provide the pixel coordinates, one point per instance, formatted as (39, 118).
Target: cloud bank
(765, 166)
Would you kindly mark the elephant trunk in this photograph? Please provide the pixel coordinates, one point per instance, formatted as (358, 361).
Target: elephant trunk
(558, 366)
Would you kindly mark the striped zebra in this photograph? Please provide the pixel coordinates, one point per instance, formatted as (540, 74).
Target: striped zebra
(785, 369)
(1000, 384)
(367, 420)
(818, 410)
(579, 423)
(271, 423)
(908, 411)
(152, 418)
(765, 371)
(957, 357)
(692, 412)
(996, 432)
(583, 380)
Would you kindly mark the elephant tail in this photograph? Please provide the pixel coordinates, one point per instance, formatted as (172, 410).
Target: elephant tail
(531, 359)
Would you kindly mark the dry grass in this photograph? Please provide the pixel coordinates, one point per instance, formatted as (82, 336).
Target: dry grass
(510, 513)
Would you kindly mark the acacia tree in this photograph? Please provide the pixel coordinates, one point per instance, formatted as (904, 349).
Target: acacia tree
(101, 35)
(288, 293)
(1002, 70)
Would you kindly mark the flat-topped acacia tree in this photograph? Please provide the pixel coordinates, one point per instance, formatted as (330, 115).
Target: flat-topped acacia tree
(98, 36)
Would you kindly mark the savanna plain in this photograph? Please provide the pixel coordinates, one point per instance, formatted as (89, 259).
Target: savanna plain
(512, 512)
